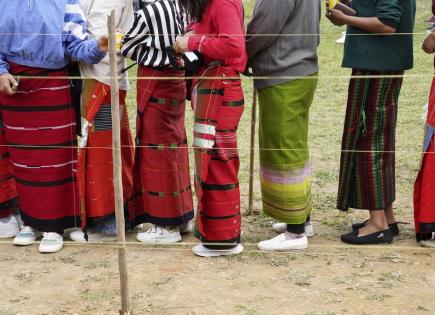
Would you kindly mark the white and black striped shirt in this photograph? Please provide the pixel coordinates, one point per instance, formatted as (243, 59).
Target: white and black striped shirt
(155, 28)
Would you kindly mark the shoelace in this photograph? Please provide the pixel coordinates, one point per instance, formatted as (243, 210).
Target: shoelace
(50, 236)
(26, 228)
(155, 229)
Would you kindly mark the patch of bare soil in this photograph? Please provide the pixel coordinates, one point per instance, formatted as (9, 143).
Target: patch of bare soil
(328, 278)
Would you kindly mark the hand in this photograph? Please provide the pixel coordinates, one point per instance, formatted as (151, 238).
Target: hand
(103, 43)
(336, 17)
(429, 44)
(7, 81)
(181, 45)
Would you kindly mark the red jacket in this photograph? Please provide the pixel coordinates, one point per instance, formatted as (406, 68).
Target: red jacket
(221, 34)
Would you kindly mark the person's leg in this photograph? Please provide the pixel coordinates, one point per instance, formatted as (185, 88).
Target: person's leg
(389, 214)
(424, 191)
(377, 222)
(217, 113)
(95, 163)
(374, 162)
(42, 133)
(163, 162)
(285, 169)
(295, 230)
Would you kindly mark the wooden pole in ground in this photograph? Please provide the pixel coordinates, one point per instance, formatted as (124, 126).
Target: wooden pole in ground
(252, 157)
(117, 172)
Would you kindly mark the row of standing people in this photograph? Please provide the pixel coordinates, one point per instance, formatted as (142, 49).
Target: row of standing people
(55, 194)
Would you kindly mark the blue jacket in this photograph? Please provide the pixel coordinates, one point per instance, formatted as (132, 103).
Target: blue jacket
(44, 34)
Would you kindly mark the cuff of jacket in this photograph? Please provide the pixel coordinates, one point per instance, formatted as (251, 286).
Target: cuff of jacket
(3, 70)
(194, 43)
(96, 51)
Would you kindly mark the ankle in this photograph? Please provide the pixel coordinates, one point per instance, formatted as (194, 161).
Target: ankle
(381, 226)
(389, 214)
(291, 235)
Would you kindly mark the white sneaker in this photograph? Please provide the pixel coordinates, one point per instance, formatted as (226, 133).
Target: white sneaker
(26, 236)
(8, 227)
(159, 234)
(428, 243)
(282, 227)
(202, 251)
(282, 243)
(51, 243)
(186, 227)
(79, 236)
(342, 39)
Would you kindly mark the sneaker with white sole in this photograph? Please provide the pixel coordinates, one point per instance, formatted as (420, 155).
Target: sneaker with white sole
(201, 250)
(283, 243)
(159, 234)
(282, 227)
(51, 243)
(8, 227)
(186, 227)
(428, 243)
(79, 236)
(26, 236)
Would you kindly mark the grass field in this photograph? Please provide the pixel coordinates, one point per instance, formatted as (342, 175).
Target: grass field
(329, 278)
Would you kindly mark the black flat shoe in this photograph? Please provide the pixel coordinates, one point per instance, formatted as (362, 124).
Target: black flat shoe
(394, 227)
(381, 237)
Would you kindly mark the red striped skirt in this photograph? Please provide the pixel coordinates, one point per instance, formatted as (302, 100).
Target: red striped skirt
(424, 188)
(8, 190)
(162, 188)
(40, 131)
(218, 107)
(95, 155)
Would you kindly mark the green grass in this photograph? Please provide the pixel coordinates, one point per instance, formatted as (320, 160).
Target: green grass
(327, 115)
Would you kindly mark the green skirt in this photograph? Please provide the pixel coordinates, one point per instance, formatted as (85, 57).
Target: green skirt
(285, 170)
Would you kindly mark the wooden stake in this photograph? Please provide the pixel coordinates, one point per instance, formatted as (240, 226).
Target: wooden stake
(117, 165)
(252, 158)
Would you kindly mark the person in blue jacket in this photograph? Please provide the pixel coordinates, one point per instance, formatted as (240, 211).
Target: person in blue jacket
(37, 118)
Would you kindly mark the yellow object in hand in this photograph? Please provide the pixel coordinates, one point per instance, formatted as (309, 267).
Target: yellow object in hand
(331, 4)
(119, 41)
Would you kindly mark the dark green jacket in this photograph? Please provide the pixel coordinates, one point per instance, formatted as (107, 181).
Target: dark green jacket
(381, 52)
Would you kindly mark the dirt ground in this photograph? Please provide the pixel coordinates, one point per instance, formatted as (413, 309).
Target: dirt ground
(328, 278)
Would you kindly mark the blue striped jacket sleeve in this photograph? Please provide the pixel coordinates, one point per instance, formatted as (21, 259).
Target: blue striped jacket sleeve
(4, 66)
(75, 38)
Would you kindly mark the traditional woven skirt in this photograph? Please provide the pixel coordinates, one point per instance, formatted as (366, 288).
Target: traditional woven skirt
(162, 187)
(8, 190)
(95, 167)
(367, 165)
(424, 188)
(40, 129)
(285, 170)
(218, 105)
